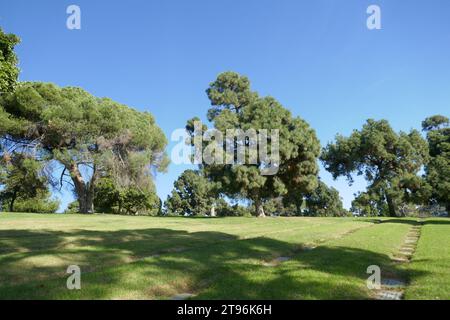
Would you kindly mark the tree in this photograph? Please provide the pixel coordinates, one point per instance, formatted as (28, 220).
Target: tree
(110, 198)
(368, 204)
(8, 62)
(403, 190)
(436, 122)
(90, 137)
(325, 201)
(389, 161)
(236, 107)
(21, 179)
(193, 195)
(438, 169)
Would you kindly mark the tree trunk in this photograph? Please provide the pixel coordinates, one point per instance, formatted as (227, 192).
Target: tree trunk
(213, 211)
(13, 199)
(84, 191)
(391, 206)
(259, 209)
(86, 202)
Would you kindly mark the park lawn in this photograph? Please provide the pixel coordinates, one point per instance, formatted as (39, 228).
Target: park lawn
(432, 260)
(42, 246)
(336, 269)
(156, 258)
(37, 249)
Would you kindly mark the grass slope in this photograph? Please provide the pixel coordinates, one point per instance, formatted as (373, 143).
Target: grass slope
(432, 260)
(156, 258)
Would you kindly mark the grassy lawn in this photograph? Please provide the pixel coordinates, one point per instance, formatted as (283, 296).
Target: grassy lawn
(432, 258)
(156, 258)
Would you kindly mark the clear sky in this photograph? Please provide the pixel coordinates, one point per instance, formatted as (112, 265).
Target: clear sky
(316, 57)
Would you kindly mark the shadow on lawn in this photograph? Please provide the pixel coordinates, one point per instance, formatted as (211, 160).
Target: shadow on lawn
(29, 254)
(441, 221)
(216, 265)
(409, 221)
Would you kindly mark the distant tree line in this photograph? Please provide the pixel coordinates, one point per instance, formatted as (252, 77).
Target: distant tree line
(106, 153)
(390, 162)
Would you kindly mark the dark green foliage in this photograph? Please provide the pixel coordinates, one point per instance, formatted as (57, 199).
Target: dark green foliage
(81, 131)
(235, 106)
(236, 210)
(435, 122)
(8, 62)
(130, 200)
(73, 208)
(389, 161)
(41, 203)
(22, 179)
(324, 201)
(438, 169)
(192, 195)
(195, 195)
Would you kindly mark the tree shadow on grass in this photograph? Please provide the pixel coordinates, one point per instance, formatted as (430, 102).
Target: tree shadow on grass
(415, 222)
(438, 221)
(324, 273)
(27, 255)
(409, 221)
(158, 263)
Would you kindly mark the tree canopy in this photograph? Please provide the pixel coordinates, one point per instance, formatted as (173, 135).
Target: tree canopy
(83, 133)
(110, 197)
(438, 169)
(21, 178)
(324, 201)
(8, 62)
(388, 160)
(234, 106)
(192, 195)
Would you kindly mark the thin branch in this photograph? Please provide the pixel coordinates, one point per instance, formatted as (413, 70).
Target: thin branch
(61, 178)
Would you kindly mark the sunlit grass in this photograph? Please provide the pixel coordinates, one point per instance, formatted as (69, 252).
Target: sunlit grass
(432, 258)
(156, 258)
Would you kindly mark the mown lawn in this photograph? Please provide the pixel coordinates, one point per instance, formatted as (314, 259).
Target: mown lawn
(157, 258)
(432, 259)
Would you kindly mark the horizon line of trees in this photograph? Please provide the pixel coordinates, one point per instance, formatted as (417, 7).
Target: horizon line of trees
(107, 154)
(391, 163)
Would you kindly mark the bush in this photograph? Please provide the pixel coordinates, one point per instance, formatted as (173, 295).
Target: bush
(36, 205)
(226, 210)
(73, 208)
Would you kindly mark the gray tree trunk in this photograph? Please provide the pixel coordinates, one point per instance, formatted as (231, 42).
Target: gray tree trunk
(213, 211)
(84, 191)
(259, 209)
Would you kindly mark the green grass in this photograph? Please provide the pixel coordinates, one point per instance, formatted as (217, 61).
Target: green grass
(432, 259)
(156, 258)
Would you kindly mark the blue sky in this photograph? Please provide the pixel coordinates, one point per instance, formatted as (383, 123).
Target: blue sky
(316, 57)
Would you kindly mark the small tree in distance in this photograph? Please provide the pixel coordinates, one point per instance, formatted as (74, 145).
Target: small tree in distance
(192, 195)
